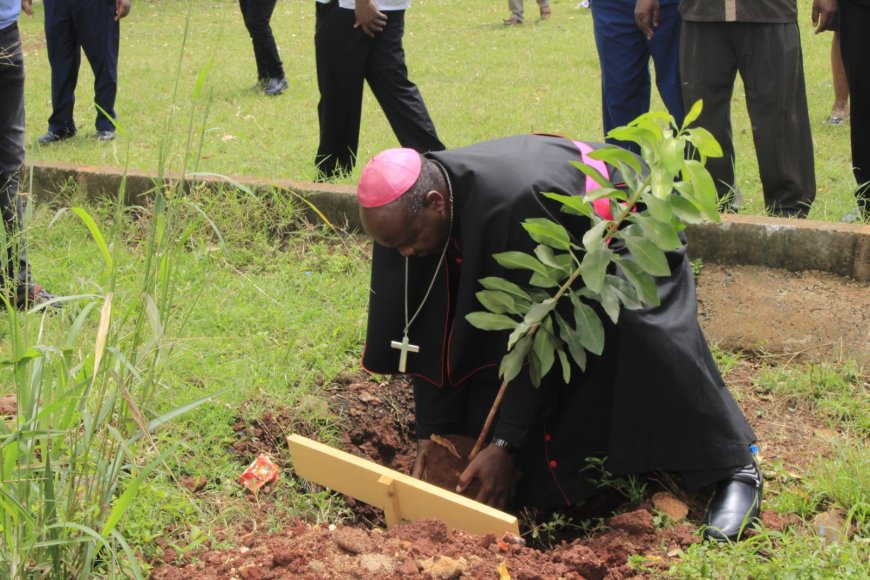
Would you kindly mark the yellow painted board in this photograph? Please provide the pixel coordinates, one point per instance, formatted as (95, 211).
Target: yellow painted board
(413, 499)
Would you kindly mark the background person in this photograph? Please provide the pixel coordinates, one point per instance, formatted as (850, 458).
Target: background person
(355, 43)
(73, 26)
(516, 9)
(270, 69)
(15, 276)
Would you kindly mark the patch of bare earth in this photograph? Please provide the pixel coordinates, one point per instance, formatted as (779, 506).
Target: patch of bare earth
(379, 424)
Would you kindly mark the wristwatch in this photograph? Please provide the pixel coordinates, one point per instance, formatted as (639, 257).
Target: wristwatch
(506, 445)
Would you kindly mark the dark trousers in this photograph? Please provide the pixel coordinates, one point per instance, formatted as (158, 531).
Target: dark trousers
(70, 27)
(854, 44)
(768, 58)
(257, 14)
(346, 57)
(624, 54)
(12, 254)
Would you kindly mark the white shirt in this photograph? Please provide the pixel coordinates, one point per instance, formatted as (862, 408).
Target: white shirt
(383, 5)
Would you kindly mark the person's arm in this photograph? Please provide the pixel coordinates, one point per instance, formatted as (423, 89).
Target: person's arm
(646, 15)
(824, 15)
(368, 17)
(27, 7)
(122, 8)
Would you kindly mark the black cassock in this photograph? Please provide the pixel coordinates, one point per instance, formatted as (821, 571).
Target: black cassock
(654, 400)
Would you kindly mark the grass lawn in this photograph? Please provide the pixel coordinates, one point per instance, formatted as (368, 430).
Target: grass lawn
(240, 300)
(480, 80)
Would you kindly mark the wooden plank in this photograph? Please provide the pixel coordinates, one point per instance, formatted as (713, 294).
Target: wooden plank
(403, 496)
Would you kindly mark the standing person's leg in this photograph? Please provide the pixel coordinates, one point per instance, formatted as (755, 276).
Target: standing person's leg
(100, 36)
(771, 66)
(64, 57)
(341, 52)
(624, 59)
(544, 7)
(665, 50)
(12, 155)
(708, 69)
(840, 108)
(516, 12)
(257, 17)
(854, 29)
(248, 8)
(399, 98)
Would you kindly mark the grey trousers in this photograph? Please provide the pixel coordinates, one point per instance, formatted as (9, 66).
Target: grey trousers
(12, 254)
(516, 7)
(768, 58)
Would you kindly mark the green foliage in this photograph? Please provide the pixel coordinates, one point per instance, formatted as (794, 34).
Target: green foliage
(616, 260)
(631, 487)
(839, 392)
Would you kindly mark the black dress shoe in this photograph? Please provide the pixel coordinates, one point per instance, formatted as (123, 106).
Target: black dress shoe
(276, 87)
(52, 137)
(105, 135)
(735, 506)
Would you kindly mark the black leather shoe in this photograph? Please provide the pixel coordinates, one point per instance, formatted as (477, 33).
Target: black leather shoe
(52, 137)
(735, 506)
(276, 87)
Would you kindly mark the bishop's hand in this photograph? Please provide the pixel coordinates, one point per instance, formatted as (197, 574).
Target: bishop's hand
(420, 461)
(494, 470)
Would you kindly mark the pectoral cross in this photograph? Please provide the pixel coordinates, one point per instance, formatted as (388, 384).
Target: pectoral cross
(405, 346)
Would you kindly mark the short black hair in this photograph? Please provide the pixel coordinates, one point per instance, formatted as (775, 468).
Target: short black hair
(429, 180)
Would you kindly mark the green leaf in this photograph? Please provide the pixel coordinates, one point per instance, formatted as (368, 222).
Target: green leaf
(512, 362)
(122, 503)
(502, 285)
(572, 339)
(520, 260)
(686, 211)
(642, 282)
(547, 232)
(547, 257)
(490, 321)
(647, 255)
(538, 311)
(673, 153)
(609, 300)
(594, 267)
(501, 302)
(593, 239)
(615, 155)
(624, 290)
(589, 327)
(593, 173)
(95, 234)
(704, 188)
(639, 135)
(542, 281)
(693, 113)
(520, 331)
(566, 366)
(544, 348)
(572, 204)
(704, 142)
(662, 183)
(661, 233)
(660, 209)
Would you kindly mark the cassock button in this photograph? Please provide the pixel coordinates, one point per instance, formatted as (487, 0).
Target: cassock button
(547, 437)
(553, 464)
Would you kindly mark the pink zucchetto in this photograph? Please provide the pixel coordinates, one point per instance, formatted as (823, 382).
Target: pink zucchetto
(387, 176)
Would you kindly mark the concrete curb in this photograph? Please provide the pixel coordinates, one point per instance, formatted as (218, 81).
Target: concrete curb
(795, 245)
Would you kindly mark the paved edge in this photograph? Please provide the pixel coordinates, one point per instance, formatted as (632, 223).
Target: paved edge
(841, 249)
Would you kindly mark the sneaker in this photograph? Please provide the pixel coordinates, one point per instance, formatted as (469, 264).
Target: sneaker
(30, 295)
(275, 87)
(105, 135)
(52, 137)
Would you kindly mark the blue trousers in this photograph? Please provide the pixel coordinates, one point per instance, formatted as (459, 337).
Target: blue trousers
(70, 27)
(624, 54)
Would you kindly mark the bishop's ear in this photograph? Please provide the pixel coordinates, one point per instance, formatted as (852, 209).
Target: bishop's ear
(435, 200)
